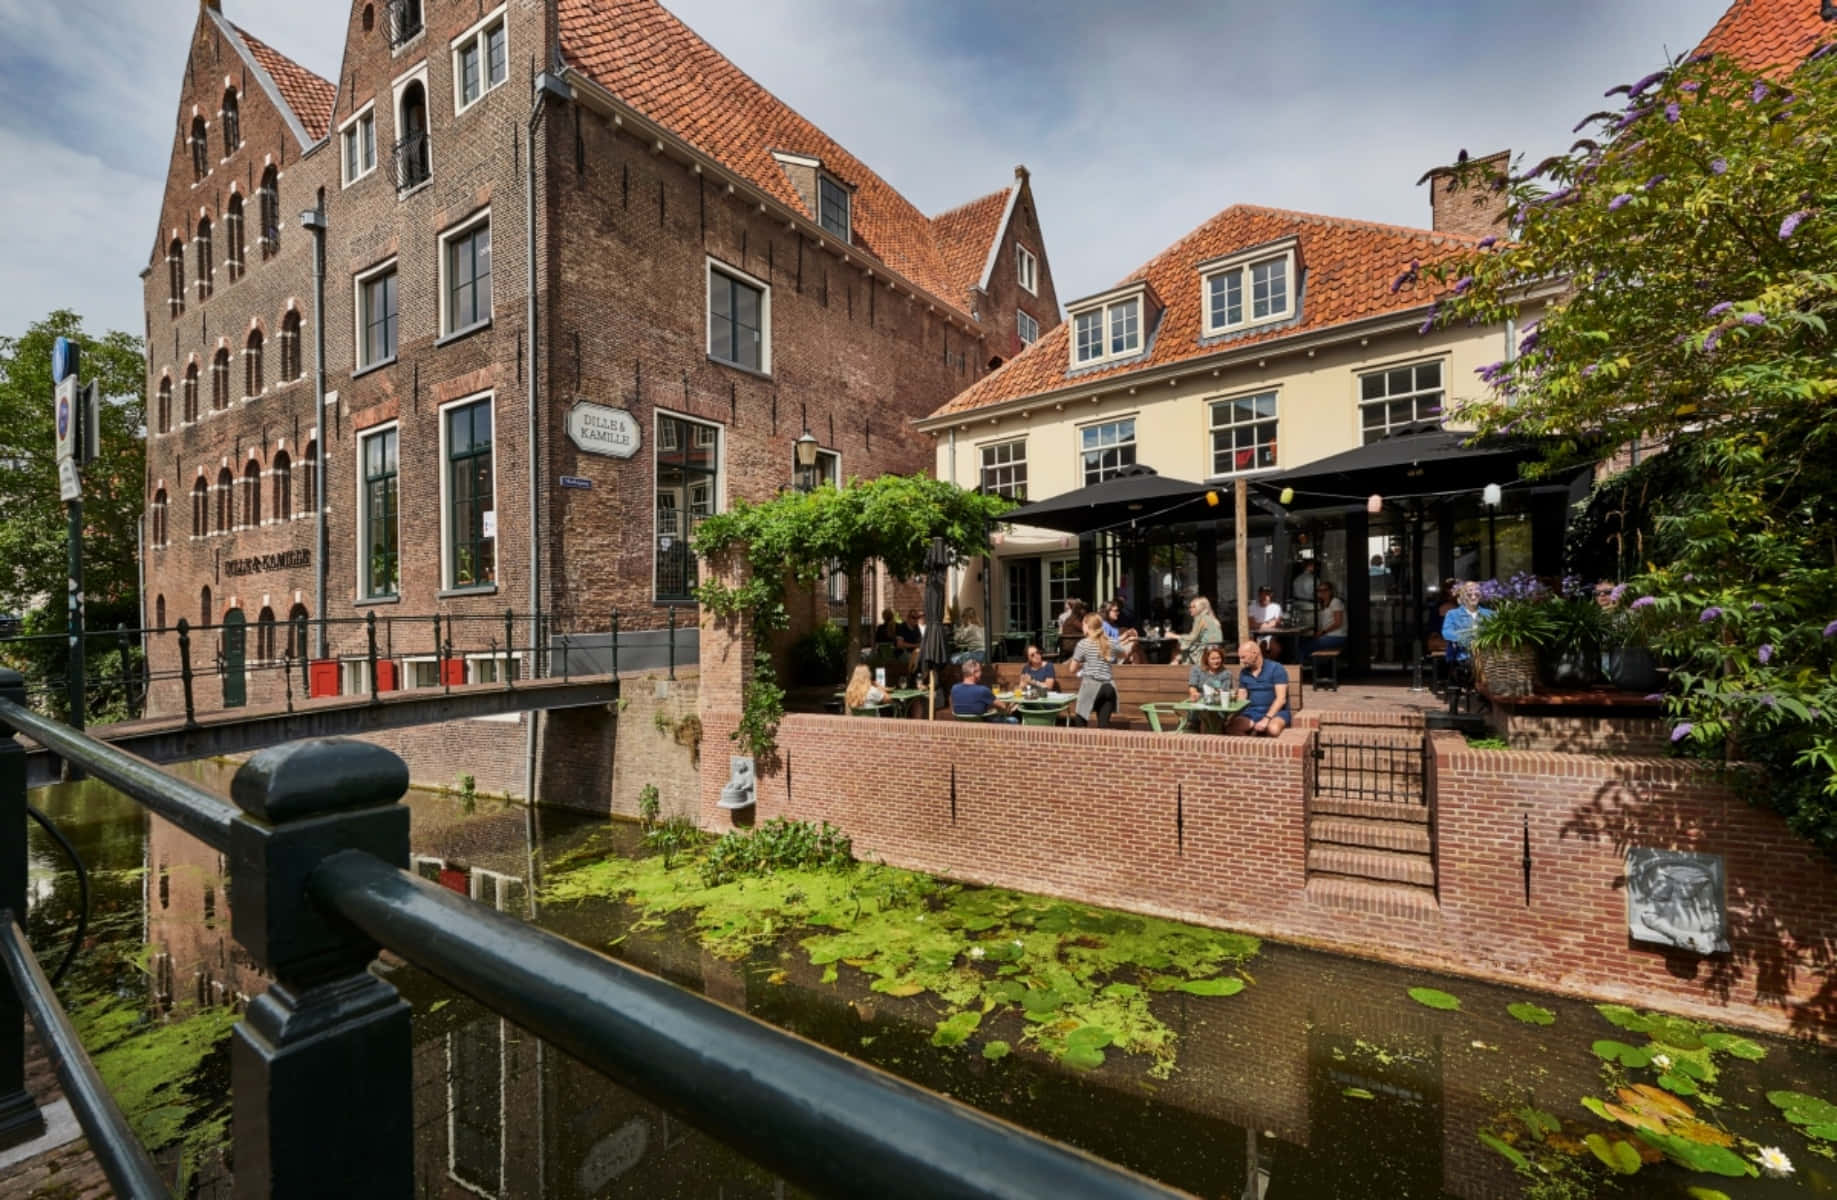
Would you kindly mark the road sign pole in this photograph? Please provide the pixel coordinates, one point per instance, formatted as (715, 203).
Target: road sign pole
(74, 622)
(72, 411)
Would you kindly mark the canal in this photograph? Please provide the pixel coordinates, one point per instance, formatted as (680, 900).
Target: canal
(1324, 1077)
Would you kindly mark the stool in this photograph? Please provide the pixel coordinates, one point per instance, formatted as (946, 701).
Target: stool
(1327, 679)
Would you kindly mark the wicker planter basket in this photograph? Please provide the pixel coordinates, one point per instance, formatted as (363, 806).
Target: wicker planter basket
(1506, 672)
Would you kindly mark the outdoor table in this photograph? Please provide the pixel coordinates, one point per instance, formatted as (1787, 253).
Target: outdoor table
(898, 700)
(1158, 649)
(1049, 709)
(1212, 717)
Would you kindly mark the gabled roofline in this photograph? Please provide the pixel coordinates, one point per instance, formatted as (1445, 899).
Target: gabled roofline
(590, 91)
(1001, 230)
(262, 77)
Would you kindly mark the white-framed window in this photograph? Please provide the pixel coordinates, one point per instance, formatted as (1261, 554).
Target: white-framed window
(481, 60)
(413, 153)
(357, 138)
(421, 672)
(465, 275)
(739, 318)
(1027, 269)
(1061, 586)
(1244, 433)
(1004, 469)
(1398, 397)
(1248, 289)
(468, 494)
(1107, 331)
(833, 205)
(494, 668)
(825, 472)
(688, 488)
(1026, 327)
(379, 550)
(354, 677)
(376, 316)
(1105, 449)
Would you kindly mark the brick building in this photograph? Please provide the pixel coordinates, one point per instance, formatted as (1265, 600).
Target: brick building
(689, 275)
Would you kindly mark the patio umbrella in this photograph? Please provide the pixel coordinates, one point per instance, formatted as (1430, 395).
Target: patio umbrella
(934, 651)
(1135, 493)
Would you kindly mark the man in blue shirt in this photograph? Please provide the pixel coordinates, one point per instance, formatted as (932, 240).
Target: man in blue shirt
(1459, 625)
(973, 698)
(1265, 685)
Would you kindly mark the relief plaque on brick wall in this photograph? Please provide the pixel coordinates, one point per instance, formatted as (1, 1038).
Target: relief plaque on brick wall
(1677, 898)
(597, 429)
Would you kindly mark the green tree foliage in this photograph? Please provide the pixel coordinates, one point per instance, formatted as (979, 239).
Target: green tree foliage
(1696, 235)
(33, 527)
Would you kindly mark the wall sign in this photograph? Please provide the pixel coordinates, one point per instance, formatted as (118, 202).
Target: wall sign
(576, 481)
(597, 429)
(1677, 898)
(284, 561)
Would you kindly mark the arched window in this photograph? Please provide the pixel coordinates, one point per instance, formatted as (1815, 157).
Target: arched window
(252, 364)
(204, 606)
(225, 510)
(207, 270)
(159, 518)
(296, 631)
(252, 494)
(309, 474)
(232, 123)
(413, 164)
(282, 470)
(159, 613)
(175, 271)
(163, 416)
(290, 346)
(271, 212)
(200, 149)
(200, 508)
(236, 243)
(264, 635)
(191, 393)
(220, 379)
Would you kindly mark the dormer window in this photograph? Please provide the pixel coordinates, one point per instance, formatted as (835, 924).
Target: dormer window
(833, 203)
(1110, 326)
(1248, 289)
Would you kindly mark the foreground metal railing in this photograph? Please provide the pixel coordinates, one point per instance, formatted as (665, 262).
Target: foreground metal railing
(321, 1071)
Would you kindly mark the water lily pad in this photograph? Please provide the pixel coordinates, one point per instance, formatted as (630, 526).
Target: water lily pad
(1431, 998)
(1213, 987)
(1085, 1058)
(1357, 1093)
(1706, 1193)
(1507, 1149)
(909, 988)
(1041, 1003)
(956, 1028)
(1677, 1083)
(1122, 991)
(1696, 1156)
(1803, 1109)
(1620, 1157)
(1620, 1052)
(1740, 1047)
(1531, 1014)
(995, 1051)
(1089, 1037)
(1597, 1107)
(1624, 1017)
(1822, 1133)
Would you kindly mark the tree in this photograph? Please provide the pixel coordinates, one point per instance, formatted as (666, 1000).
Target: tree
(33, 526)
(1697, 235)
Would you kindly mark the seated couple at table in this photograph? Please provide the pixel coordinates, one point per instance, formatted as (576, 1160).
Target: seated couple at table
(1263, 684)
(1091, 662)
(974, 698)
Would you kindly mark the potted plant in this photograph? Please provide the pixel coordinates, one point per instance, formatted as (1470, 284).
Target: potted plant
(1506, 641)
(1627, 660)
(1578, 626)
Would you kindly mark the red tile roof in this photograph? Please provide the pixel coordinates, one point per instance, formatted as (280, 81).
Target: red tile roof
(964, 235)
(1763, 34)
(1347, 270)
(649, 59)
(309, 96)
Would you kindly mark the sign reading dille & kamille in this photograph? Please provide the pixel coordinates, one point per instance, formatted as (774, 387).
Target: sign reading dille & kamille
(283, 561)
(598, 429)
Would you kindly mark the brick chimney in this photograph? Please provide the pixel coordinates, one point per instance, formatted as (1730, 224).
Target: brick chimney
(1470, 206)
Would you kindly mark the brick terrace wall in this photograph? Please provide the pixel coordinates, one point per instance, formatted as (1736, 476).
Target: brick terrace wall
(1214, 831)
(1582, 735)
(493, 752)
(643, 753)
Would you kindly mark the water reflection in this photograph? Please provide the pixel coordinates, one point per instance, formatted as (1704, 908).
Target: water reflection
(1322, 1080)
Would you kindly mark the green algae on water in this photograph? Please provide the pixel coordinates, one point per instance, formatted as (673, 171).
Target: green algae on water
(1079, 978)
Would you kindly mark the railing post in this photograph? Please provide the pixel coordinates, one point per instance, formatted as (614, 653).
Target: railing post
(321, 1064)
(449, 648)
(615, 643)
(191, 715)
(510, 642)
(370, 633)
(672, 641)
(127, 680)
(306, 677)
(20, 1120)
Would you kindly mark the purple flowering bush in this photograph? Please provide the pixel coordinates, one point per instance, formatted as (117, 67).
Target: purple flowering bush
(1693, 226)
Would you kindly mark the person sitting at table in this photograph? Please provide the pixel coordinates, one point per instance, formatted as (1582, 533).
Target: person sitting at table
(1116, 624)
(1206, 630)
(1265, 616)
(1209, 674)
(966, 638)
(1462, 620)
(1330, 617)
(862, 691)
(887, 632)
(1092, 659)
(911, 637)
(1264, 686)
(1039, 670)
(1450, 593)
(973, 698)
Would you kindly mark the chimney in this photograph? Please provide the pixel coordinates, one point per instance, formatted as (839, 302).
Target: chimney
(1472, 203)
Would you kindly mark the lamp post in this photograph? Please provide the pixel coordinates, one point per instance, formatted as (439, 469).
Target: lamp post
(1492, 497)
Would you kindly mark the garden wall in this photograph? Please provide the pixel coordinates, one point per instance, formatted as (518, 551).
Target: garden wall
(1214, 830)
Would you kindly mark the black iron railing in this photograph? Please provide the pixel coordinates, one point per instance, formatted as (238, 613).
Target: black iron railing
(404, 21)
(321, 1065)
(1375, 765)
(412, 164)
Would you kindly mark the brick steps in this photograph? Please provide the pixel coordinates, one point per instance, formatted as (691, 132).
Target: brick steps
(1371, 809)
(1409, 837)
(1384, 899)
(1381, 866)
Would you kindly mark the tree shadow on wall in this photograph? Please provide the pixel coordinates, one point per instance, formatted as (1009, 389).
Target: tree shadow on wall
(1771, 945)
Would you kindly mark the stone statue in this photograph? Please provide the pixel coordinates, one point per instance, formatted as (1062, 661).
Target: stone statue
(1676, 898)
(742, 788)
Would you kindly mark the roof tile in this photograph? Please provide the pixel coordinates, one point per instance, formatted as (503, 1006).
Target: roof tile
(963, 236)
(1764, 34)
(309, 96)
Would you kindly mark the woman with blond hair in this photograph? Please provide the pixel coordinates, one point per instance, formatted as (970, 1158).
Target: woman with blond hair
(1206, 631)
(862, 691)
(1091, 661)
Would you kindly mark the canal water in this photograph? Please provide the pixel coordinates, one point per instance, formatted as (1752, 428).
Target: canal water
(1322, 1079)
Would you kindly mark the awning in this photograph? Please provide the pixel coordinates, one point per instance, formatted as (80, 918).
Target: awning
(1420, 461)
(1133, 494)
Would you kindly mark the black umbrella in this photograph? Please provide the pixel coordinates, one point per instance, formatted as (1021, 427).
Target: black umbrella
(1418, 461)
(934, 651)
(1134, 493)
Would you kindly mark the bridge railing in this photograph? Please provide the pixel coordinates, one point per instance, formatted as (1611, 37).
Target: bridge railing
(130, 673)
(316, 838)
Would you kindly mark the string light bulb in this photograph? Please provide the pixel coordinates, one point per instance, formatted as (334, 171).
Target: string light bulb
(1494, 495)
(1288, 497)
(1374, 503)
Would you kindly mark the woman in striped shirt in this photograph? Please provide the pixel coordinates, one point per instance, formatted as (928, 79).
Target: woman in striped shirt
(1091, 660)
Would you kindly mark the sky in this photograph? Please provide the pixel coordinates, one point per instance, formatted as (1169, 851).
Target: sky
(1137, 120)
